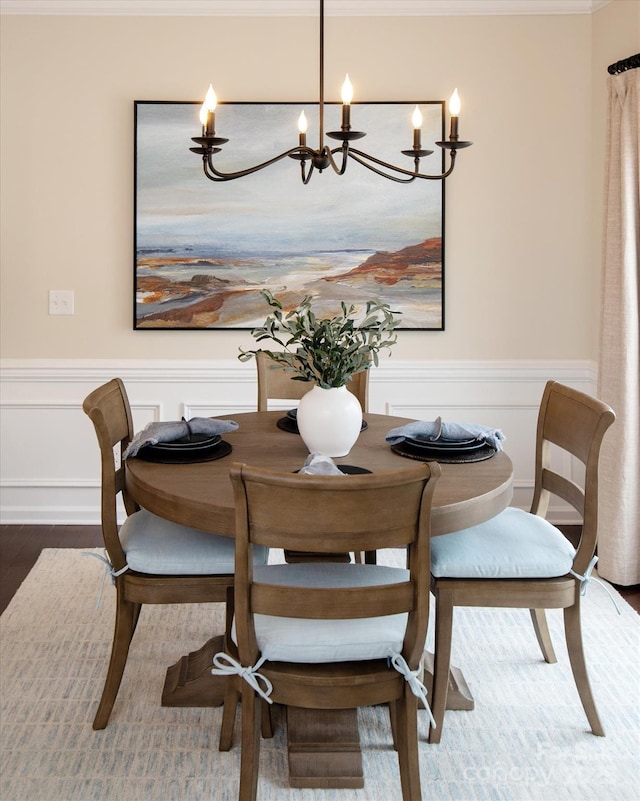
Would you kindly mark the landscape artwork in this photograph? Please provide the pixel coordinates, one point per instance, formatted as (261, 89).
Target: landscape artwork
(204, 250)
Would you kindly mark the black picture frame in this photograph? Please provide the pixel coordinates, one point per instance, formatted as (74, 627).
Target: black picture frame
(203, 250)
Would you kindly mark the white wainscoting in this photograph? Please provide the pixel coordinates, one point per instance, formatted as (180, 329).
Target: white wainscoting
(49, 456)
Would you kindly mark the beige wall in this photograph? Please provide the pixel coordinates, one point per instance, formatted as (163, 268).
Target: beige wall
(522, 220)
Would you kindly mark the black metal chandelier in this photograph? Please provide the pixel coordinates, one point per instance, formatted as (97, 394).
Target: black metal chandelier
(208, 144)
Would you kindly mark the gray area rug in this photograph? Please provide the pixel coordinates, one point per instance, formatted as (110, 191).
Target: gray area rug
(526, 739)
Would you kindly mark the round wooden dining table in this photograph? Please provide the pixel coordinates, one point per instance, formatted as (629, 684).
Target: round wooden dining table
(200, 494)
(323, 747)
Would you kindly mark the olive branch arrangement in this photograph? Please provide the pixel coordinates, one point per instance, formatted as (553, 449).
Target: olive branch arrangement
(328, 351)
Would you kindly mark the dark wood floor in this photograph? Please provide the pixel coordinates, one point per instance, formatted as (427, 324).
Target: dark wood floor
(20, 547)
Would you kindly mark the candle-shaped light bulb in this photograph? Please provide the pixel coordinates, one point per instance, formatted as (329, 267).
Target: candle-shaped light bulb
(211, 101)
(347, 90)
(208, 112)
(454, 111)
(302, 128)
(416, 119)
(347, 97)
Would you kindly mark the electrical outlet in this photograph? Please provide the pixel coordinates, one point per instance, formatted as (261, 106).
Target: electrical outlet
(61, 301)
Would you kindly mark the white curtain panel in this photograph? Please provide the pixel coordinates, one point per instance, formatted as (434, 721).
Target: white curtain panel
(619, 368)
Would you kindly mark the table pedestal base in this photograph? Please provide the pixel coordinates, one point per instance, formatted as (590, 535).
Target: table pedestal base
(190, 683)
(458, 695)
(324, 748)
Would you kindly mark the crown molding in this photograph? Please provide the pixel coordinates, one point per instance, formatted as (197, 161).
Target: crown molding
(294, 8)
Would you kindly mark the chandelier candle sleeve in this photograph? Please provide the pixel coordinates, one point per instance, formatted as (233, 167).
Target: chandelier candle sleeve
(302, 128)
(454, 111)
(203, 118)
(208, 112)
(417, 125)
(347, 97)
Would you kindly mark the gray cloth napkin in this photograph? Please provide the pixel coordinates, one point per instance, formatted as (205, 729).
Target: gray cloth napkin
(154, 433)
(317, 464)
(437, 431)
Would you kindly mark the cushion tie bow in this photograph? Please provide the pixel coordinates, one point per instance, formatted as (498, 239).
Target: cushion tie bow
(226, 665)
(587, 577)
(411, 677)
(108, 571)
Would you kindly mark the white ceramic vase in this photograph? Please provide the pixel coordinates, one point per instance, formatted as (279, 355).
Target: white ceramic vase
(329, 420)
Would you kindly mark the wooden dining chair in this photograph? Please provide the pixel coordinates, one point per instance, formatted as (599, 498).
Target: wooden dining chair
(323, 635)
(519, 559)
(151, 560)
(275, 381)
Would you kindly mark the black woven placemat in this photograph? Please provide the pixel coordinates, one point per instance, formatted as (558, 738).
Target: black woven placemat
(425, 455)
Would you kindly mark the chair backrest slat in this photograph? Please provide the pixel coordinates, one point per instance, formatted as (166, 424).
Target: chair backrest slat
(381, 518)
(570, 419)
(564, 488)
(320, 604)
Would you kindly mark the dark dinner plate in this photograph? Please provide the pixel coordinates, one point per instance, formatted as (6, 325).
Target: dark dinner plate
(447, 446)
(186, 450)
(445, 456)
(287, 423)
(190, 443)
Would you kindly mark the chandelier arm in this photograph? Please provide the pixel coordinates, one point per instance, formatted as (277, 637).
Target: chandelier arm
(214, 174)
(364, 163)
(365, 159)
(306, 177)
(339, 170)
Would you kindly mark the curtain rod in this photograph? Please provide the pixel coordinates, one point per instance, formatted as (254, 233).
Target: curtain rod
(630, 63)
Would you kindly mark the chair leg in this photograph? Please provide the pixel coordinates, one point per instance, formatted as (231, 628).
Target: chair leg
(267, 721)
(393, 719)
(230, 704)
(442, 661)
(126, 618)
(539, 620)
(231, 701)
(573, 634)
(406, 717)
(250, 758)
(137, 608)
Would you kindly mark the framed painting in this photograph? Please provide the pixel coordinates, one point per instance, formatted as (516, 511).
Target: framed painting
(204, 250)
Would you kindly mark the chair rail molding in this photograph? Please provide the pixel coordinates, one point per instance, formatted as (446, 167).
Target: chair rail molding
(49, 461)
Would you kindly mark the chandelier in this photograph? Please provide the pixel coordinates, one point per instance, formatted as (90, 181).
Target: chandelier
(208, 144)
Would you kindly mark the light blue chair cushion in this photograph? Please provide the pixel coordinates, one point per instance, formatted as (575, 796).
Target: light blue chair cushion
(514, 544)
(290, 639)
(155, 545)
